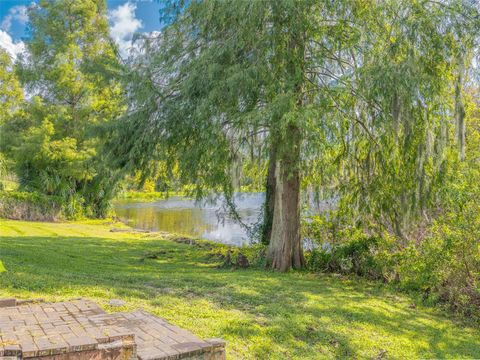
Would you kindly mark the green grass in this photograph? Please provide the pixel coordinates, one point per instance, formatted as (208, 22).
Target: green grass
(8, 185)
(262, 315)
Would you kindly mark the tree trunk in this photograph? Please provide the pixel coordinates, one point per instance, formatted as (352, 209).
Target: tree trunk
(269, 198)
(285, 248)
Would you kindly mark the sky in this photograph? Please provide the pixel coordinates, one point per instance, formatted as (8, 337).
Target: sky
(126, 18)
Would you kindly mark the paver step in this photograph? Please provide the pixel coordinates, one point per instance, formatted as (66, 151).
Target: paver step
(80, 329)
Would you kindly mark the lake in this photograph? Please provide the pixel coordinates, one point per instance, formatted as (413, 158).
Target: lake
(197, 219)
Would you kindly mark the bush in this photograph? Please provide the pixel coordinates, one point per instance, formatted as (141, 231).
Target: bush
(30, 206)
(443, 266)
(348, 252)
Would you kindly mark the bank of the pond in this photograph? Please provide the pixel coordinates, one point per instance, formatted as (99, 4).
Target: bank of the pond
(262, 315)
(147, 195)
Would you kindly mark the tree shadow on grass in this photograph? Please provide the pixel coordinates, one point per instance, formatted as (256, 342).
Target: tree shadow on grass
(295, 315)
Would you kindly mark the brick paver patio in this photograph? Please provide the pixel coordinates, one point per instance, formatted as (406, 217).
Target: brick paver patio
(80, 329)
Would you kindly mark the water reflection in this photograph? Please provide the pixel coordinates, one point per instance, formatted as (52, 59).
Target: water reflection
(184, 216)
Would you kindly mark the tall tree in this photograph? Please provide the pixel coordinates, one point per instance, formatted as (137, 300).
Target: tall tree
(232, 71)
(71, 71)
(11, 94)
(11, 99)
(408, 95)
(292, 71)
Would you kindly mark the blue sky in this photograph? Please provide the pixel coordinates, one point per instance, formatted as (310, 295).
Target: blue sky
(126, 17)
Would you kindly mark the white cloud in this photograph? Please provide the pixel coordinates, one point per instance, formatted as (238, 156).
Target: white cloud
(123, 25)
(13, 48)
(16, 13)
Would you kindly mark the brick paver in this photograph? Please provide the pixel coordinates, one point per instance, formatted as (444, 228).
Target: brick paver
(58, 330)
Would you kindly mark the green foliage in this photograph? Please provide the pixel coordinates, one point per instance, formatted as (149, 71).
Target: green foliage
(391, 162)
(30, 206)
(147, 196)
(11, 94)
(72, 72)
(219, 86)
(446, 264)
(347, 252)
(403, 172)
(444, 267)
(442, 262)
(11, 100)
(356, 97)
(365, 102)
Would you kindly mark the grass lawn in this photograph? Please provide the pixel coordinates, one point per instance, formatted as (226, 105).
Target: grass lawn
(262, 315)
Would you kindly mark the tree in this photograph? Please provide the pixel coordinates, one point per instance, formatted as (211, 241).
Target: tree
(221, 89)
(71, 71)
(292, 73)
(409, 99)
(11, 94)
(11, 99)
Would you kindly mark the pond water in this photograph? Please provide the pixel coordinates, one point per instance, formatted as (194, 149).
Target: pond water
(198, 219)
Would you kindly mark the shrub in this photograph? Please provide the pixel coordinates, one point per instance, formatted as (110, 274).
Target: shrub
(30, 206)
(348, 252)
(445, 266)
